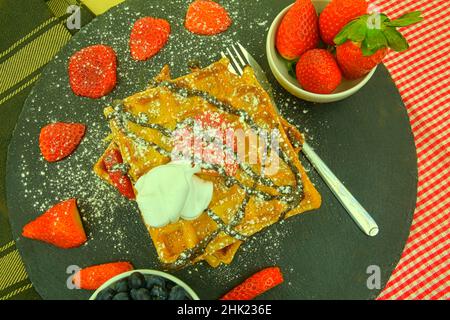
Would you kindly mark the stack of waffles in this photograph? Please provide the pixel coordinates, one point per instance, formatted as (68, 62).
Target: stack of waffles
(245, 200)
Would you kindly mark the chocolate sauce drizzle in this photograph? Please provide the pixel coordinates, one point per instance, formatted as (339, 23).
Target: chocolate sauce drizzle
(292, 196)
(187, 256)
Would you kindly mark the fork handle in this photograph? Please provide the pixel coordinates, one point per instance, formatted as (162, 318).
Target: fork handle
(353, 207)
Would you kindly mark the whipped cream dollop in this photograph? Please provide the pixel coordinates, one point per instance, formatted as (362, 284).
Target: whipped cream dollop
(170, 192)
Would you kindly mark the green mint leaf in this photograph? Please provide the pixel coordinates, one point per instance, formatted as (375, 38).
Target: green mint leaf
(406, 20)
(395, 39)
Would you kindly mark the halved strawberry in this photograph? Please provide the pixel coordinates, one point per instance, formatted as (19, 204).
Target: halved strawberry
(120, 179)
(58, 140)
(60, 226)
(91, 278)
(93, 71)
(205, 17)
(148, 36)
(257, 284)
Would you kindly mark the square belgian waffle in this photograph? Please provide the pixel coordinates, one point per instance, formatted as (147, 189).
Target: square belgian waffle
(243, 202)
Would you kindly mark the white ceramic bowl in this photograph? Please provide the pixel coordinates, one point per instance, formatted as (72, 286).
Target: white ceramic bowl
(167, 276)
(280, 71)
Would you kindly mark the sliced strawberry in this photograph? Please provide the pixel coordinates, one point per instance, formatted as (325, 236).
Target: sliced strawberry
(257, 284)
(60, 226)
(91, 278)
(148, 36)
(210, 120)
(59, 140)
(119, 178)
(205, 17)
(93, 71)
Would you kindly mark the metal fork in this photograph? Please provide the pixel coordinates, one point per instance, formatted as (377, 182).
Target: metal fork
(239, 59)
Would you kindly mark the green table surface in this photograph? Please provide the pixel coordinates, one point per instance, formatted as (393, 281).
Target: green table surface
(21, 22)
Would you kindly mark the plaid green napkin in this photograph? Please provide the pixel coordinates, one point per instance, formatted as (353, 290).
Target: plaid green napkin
(31, 33)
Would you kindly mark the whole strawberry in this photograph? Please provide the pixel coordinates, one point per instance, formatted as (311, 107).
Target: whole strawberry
(363, 43)
(353, 63)
(298, 31)
(336, 15)
(58, 140)
(148, 36)
(318, 72)
(93, 71)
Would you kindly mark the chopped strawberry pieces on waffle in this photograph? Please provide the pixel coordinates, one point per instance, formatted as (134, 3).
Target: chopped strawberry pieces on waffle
(209, 142)
(218, 145)
(205, 17)
(59, 140)
(93, 71)
(148, 36)
(255, 285)
(112, 162)
(60, 226)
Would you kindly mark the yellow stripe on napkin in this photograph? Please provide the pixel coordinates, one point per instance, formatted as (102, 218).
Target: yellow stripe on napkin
(98, 7)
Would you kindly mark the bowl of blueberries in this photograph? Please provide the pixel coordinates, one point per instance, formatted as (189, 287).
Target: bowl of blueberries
(144, 285)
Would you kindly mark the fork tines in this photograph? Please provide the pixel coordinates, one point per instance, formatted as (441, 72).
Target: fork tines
(238, 60)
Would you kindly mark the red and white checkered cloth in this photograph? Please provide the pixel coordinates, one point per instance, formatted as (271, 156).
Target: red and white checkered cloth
(422, 76)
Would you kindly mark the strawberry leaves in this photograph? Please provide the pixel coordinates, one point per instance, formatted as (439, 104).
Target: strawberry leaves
(405, 20)
(291, 64)
(354, 31)
(395, 39)
(373, 41)
(377, 31)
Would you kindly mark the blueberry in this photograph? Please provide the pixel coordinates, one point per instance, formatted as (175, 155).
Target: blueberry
(133, 294)
(170, 285)
(121, 286)
(151, 281)
(136, 280)
(178, 293)
(158, 293)
(121, 296)
(140, 294)
(106, 294)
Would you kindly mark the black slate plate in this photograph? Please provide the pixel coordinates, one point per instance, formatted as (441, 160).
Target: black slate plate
(366, 140)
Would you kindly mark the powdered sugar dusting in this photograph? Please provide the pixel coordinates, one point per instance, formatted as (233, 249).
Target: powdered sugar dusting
(113, 223)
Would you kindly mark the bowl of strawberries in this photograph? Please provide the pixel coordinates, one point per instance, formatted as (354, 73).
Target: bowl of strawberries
(326, 50)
